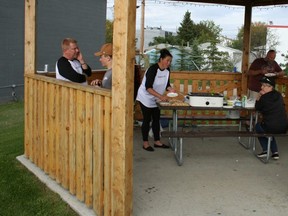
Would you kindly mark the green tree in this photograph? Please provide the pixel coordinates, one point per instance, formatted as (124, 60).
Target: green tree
(186, 32)
(182, 63)
(158, 40)
(208, 31)
(196, 58)
(190, 58)
(109, 31)
(168, 39)
(189, 32)
(217, 60)
(285, 65)
(260, 37)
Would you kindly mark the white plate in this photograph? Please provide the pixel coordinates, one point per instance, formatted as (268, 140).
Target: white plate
(228, 107)
(172, 94)
(164, 103)
(270, 74)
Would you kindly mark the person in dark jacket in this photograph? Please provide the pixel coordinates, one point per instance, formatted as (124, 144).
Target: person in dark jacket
(274, 118)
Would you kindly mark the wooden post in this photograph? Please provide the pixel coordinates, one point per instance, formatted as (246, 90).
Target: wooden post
(29, 64)
(30, 37)
(246, 46)
(142, 27)
(122, 107)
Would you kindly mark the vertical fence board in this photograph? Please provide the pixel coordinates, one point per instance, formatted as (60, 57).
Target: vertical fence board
(80, 109)
(51, 132)
(57, 110)
(88, 150)
(72, 141)
(33, 114)
(28, 122)
(45, 127)
(98, 155)
(64, 135)
(40, 114)
(107, 156)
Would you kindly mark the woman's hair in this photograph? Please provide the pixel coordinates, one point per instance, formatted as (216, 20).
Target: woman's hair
(164, 53)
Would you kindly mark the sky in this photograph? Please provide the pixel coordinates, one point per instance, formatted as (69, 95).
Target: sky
(168, 15)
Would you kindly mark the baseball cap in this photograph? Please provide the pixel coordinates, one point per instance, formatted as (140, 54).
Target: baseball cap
(268, 80)
(106, 49)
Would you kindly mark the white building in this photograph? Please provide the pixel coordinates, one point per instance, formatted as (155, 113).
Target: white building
(281, 32)
(149, 34)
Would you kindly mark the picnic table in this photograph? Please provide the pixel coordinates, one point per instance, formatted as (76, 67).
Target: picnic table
(176, 137)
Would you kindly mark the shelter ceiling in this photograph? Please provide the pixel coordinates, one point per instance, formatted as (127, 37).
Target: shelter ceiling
(253, 3)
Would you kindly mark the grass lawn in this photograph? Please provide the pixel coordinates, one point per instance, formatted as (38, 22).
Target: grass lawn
(21, 193)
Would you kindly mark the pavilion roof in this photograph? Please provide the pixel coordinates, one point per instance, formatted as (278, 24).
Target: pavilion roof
(253, 3)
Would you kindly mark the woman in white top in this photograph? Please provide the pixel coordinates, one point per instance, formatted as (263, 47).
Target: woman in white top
(155, 82)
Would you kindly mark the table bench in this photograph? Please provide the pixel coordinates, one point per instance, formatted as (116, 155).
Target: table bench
(207, 118)
(196, 134)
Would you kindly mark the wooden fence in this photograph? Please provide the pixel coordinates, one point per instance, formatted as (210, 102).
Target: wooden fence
(67, 129)
(226, 83)
(67, 135)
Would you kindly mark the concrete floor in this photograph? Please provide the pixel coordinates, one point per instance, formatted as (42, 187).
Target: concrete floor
(218, 177)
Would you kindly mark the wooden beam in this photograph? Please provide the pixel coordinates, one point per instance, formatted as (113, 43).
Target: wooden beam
(122, 107)
(142, 27)
(246, 47)
(253, 3)
(30, 37)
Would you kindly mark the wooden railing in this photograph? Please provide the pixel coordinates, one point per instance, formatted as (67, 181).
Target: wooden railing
(67, 134)
(226, 83)
(207, 82)
(67, 129)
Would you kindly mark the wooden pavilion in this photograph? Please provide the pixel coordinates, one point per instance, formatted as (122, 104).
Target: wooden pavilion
(82, 137)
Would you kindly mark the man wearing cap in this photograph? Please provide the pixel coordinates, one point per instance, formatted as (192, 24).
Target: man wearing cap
(71, 66)
(262, 67)
(259, 68)
(274, 118)
(106, 60)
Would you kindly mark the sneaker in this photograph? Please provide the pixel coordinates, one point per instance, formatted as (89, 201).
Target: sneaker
(262, 154)
(275, 156)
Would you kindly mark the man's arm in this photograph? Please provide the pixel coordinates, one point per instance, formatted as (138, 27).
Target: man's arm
(65, 69)
(280, 73)
(87, 70)
(85, 67)
(252, 72)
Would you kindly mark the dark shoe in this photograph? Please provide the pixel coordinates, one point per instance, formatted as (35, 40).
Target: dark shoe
(262, 154)
(161, 146)
(247, 127)
(275, 156)
(149, 148)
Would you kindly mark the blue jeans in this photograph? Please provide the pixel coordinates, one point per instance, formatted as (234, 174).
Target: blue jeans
(264, 140)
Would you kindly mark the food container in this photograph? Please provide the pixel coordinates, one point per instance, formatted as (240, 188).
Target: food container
(238, 103)
(230, 102)
(250, 103)
(205, 99)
